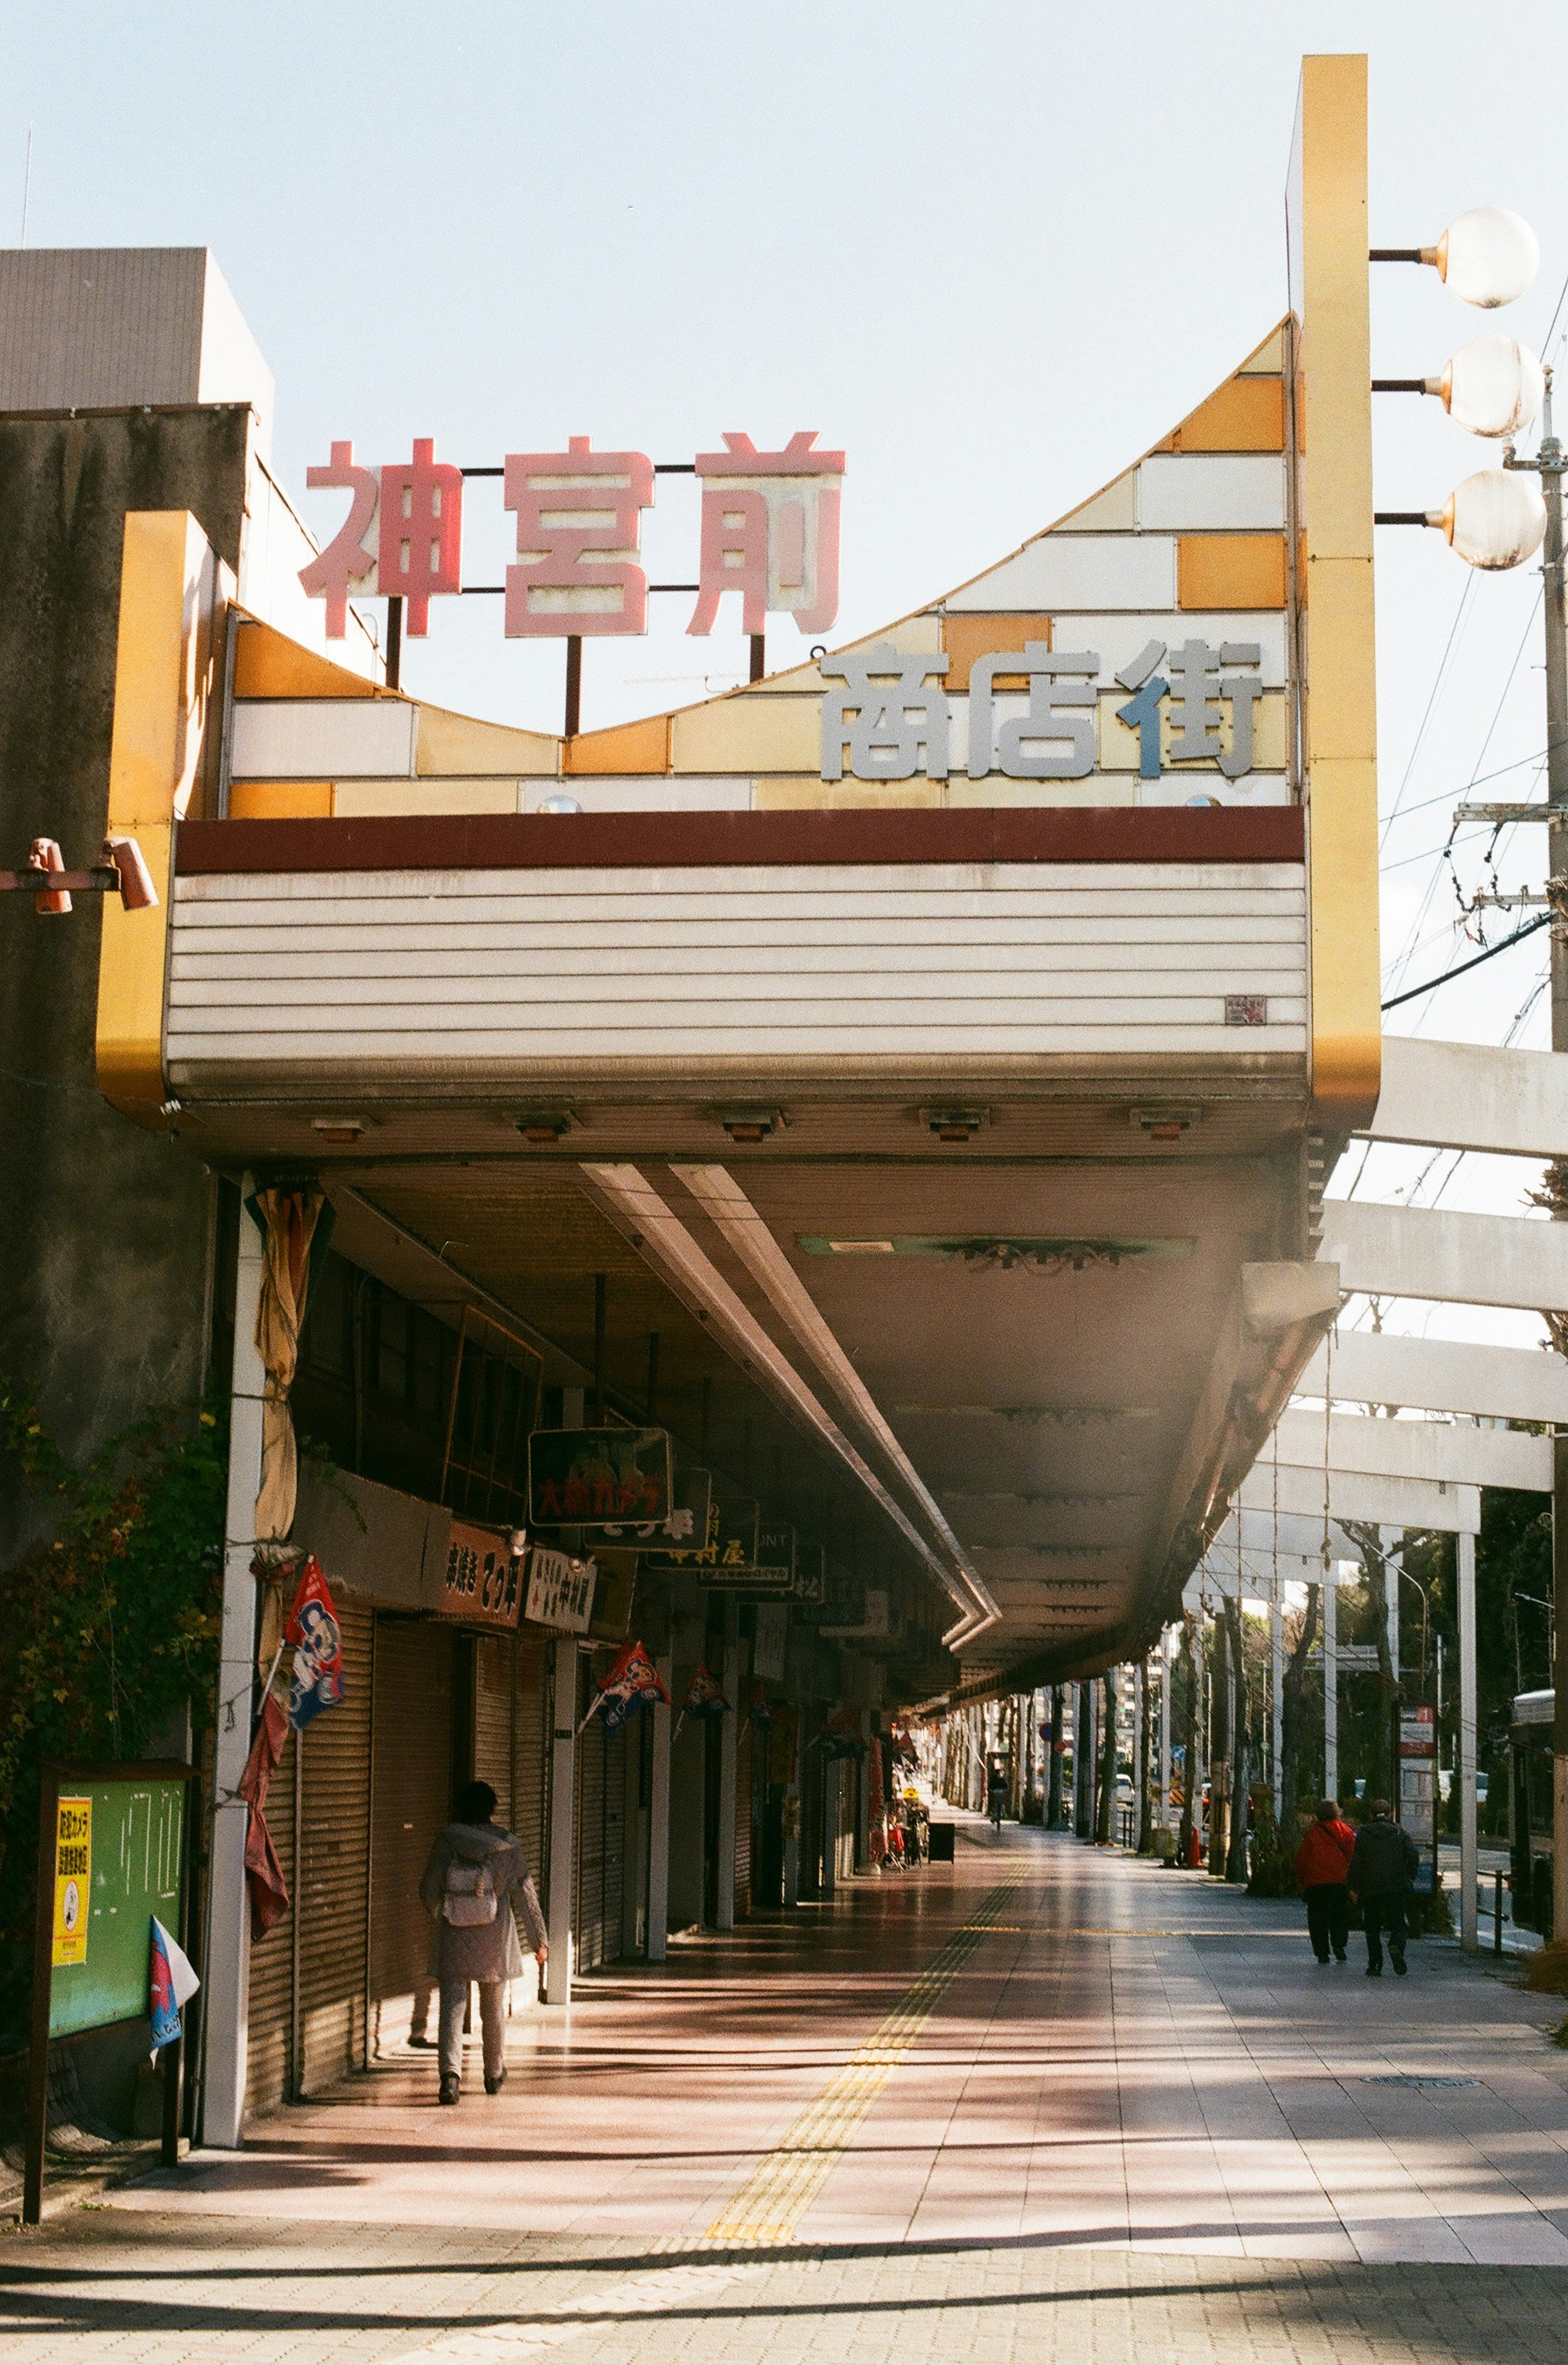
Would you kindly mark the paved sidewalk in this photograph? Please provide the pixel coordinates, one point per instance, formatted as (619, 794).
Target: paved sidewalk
(1050, 2101)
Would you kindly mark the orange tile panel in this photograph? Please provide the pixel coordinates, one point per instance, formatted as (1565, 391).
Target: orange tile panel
(267, 664)
(280, 801)
(1230, 571)
(627, 747)
(965, 638)
(1246, 414)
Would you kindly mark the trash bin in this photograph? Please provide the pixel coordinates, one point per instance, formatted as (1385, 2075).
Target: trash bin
(941, 1849)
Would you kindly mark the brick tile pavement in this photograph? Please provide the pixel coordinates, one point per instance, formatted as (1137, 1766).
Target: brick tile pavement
(1051, 2106)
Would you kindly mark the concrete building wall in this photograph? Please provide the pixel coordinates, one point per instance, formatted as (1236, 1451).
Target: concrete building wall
(103, 1287)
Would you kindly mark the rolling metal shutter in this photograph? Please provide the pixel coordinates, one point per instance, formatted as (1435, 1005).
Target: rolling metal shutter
(614, 1843)
(531, 1747)
(588, 1900)
(267, 2079)
(745, 1762)
(410, 1798)
(332, 1899)
(494, 1656)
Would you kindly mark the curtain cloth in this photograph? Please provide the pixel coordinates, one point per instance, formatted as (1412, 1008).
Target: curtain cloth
(289, 1220)
(264, 1874)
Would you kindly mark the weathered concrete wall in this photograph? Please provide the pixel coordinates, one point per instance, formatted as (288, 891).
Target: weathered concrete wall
(106, 1228)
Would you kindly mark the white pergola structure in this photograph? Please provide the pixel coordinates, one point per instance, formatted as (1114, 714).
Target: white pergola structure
(1325, 1464)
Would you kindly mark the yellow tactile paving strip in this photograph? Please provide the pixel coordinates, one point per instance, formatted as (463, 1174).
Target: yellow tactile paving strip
(786, 2180)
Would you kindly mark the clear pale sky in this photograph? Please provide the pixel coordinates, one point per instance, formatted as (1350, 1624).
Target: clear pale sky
(992, 250)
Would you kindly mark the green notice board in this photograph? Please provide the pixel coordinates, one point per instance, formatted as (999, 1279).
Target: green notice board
(118, 1855)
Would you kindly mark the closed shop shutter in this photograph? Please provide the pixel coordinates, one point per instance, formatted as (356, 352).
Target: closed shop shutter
(410, 1791)
(744, 1802)
(494, 1656)
(333, 1897)
(589, 1915)
(532, 1740)
(272, 1958)
(615, 1744)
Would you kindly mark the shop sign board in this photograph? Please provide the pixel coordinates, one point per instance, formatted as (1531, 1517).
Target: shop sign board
(560, 1591)
(1417, 1774)
(728, 1554)
(890, 718)
(587, 1477)
(73, 1879)
(769, 530)
(481, 1583)
(776, 1558)
(683, 1526)
(771, 1641)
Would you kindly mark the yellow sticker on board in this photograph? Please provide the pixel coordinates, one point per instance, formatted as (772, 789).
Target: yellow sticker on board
(73, 1878)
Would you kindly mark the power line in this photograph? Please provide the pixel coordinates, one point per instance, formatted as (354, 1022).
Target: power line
(1491, 953)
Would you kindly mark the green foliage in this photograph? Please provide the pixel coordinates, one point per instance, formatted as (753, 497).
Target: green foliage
(1272, 1852)
(109, 1626)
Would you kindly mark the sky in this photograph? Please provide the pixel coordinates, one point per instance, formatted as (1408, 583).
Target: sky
(994, 252)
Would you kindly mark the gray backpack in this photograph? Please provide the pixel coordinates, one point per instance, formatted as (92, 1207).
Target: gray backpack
(470, 1899)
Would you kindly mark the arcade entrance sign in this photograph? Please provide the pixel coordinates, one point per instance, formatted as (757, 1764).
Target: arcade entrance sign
(769, 532)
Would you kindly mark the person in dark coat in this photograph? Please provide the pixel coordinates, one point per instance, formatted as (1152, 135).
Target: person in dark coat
(1384, 1865)
(477, 1885)
(1322, 1865)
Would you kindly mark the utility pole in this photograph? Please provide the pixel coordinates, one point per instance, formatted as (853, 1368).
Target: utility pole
(1548, 464)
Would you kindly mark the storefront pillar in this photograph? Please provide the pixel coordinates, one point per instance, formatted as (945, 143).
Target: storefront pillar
(227, 1986)
(563, 1816)
(729, 1743)
(658, 1819)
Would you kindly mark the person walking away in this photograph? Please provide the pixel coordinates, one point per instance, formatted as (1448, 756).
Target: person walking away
(996, 1794)
(1322, 1869)
(1384, 1865)
(477, 1885)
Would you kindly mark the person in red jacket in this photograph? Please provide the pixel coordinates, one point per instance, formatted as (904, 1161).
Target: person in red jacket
(1322, 1862)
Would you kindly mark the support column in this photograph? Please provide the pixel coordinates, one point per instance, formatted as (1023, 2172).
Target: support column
(1330, 1681)
(830, 1826)
(658, 1819)
(1140, 1819)
(226, 2016)
(729, 1743)
(1468, 1868)
(1560, 1620)
(1277, 1695)
(563, 1819)
(1166, 1641)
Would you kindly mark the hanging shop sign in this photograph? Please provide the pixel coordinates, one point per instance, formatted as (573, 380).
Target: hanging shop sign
(730, 1546)
(770, 1641)
(482, 1582)
(684, 1524)
(892, 718)
(560, 1591)
(587, 1477)
(615, 1583)
(776, 1558)
(769, 533)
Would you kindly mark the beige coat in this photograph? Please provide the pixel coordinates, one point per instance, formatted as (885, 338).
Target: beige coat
(487, 1950)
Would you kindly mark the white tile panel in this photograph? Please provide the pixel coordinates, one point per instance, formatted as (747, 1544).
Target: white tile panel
(1189, 492)
(517, 972)
(323, 738)
(644, 792)
(1078, 570)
